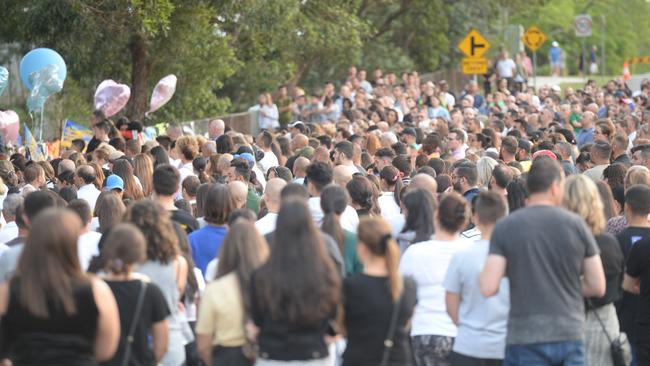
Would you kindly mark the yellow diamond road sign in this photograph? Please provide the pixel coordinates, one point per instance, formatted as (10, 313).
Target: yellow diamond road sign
(475, 65)
(534, 38)
(474, 45)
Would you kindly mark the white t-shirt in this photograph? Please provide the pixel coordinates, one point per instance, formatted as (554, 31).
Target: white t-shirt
(390, 211)
(504, 68)
(90, 194)
(427, 262)
(267, 223)
(349, 218)
(268, 161)
(8, 232)
(87, 247)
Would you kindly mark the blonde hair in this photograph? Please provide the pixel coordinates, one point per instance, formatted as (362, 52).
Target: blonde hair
(637, 174)
(582, 197)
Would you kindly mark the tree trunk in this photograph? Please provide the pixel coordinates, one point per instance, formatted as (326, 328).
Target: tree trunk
(140, 69)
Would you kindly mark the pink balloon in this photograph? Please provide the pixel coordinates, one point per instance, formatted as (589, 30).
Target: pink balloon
(163, 92)
(9, 125)
(111, 97)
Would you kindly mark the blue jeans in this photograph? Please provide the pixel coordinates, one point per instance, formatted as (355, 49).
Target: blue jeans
(567, 353)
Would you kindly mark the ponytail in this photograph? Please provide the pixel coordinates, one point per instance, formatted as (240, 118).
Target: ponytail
(392, 255)
(398, 190)
(374, 234)
(331, 226)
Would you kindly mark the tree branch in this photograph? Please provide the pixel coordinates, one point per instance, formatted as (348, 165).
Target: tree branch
(362, 8)
(388, 22)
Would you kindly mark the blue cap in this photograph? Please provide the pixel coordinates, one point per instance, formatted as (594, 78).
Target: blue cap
(114, 182)
(248, 156)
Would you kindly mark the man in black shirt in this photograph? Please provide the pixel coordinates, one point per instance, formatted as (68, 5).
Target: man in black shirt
(637, 208)
(637, 281)
(101, 131)
(166, 182)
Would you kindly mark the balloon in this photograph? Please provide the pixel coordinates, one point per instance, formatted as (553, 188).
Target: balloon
(45, 82)
(9, 125)
(4, 79)
(163, 92)
(36, 60)
(111, 97)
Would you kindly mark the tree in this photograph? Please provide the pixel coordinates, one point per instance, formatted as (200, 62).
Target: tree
(131, 41)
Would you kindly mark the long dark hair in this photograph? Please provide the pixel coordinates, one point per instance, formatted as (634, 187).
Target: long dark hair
(517, 194)
(156, 225)
(124, 170)
(49, 263)
(333, 201)
(299, 281)
(362, 192)
(391, 177)
(242, 252)
(159, 156)
(420, 211)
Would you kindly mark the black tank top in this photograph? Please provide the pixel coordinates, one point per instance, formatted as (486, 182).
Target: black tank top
(60, 339)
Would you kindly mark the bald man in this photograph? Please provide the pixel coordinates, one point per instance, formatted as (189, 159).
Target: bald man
(272, 201)
(300, 169)
(66, 165)
(298, 142)
(239, 192)
(323, 155)
(426, 182)
(342, 175)
(216, 128)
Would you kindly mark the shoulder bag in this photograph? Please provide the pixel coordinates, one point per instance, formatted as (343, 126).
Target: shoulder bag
(134, 322)
(389, 342)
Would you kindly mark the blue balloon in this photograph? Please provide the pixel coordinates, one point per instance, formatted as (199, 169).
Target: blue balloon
(36, 60)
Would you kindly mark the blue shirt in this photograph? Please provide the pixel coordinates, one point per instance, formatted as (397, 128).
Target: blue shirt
(439, 112)
(585, 136)
(555, 53)
(205, 244)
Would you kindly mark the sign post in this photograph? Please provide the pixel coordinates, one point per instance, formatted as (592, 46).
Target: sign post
(534, 38)
(474, 46)
(583, 26)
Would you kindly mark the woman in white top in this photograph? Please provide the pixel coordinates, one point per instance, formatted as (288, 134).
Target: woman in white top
(433, 331)
(390, 181)
(269, 116)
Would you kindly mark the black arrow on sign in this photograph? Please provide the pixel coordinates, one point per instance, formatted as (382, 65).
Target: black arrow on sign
(474, 46)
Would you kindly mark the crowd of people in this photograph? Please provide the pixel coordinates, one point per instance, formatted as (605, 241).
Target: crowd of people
(394, 222)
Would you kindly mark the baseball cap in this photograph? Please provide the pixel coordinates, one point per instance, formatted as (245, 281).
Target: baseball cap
(547, 153)
(525, 145)
(115, 155)
(640, 148)
(409, 131)
(298, 125)
(248, 156)
(114, 182)
(555, 44)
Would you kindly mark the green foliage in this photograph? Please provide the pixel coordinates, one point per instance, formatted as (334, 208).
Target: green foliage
(226, 52)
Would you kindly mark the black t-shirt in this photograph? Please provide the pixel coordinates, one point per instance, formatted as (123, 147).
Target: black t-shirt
(154, 309)
(626, 307)
(60, 339)
(638, 266)
(613, 264)
(368, 310)
(185, 220)
(92, 145)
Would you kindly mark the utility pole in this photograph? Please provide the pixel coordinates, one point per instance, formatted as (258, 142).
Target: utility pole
(602, 45)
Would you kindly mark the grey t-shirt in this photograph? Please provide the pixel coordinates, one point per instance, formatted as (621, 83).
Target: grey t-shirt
(544, 247)
(482, 321)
